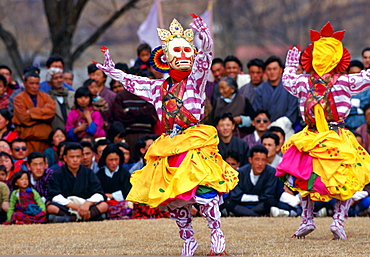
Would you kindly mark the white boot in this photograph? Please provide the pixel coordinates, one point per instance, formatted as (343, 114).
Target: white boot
(340, 213)
(307, 224)
(189, 247)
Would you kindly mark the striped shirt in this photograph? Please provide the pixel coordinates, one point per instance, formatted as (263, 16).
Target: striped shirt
(345, 87)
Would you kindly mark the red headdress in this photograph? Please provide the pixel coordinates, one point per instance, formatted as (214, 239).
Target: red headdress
(337, 58)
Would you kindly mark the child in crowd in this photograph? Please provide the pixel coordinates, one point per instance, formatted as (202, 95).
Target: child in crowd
(59, 152)
(26, 206)
(56, 136)
(82, 119)
(98, 102)
(7, 161)
(143, 53)
(3, 173)
(232, 158)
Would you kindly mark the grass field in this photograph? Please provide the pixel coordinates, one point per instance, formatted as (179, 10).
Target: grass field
(244, 237)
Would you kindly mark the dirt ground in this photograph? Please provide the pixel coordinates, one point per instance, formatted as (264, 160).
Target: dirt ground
(244, 237)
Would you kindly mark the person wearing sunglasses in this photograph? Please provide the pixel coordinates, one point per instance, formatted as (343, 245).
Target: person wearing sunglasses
(19, 153)
(260, 122)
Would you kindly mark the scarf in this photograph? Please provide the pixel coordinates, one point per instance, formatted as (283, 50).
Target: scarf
(64, 93)
(178, 75)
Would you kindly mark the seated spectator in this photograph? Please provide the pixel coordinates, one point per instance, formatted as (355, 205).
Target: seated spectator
(288, 205)
(281, 134)
(225, 126)
(366, 57)
(143, 55)
(11, 85)
(7, 161)
(234, 69)
(116, 86)
(99, 147)
(3, 174)
(356, 115)
(128, 162)
(363, 130)
(234, 103)
(60, 150)
(39, 173)
(4, 98)
(4, 201)
(75, 187)
(115, 181)
(88, 155)
(5, 146)
(100, 77)
(255, 193)
(116, 132)
(232, 158)
(62, 97)
(260, 122)
(89, 139)
(19, 153)
(141, 147)
(271, 142)
(68, 77)
(25, 206)
(98, 102)
(256, 70)
(83, 120)
(5, 126)
(273, 97)
(33, 112)
(56, 136)
(54, 61)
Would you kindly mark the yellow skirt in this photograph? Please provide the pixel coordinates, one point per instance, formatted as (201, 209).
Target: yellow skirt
(202, 165)
(339, 162)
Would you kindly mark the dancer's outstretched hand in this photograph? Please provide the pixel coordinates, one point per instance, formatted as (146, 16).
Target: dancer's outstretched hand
(292, 58)
(198, 24)
(108, 64)
(203, 32)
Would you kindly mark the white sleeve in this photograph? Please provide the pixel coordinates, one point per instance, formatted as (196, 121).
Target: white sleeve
(61, 200)
(292, 200)
(249, 198)
(96, 198)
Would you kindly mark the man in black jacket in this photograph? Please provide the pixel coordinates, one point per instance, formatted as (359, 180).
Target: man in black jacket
(256, 192)
(74, 190)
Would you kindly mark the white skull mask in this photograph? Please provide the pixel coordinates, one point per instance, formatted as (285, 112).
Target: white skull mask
(180, 54)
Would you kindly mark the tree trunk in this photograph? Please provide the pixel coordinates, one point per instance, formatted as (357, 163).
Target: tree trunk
(12, 48)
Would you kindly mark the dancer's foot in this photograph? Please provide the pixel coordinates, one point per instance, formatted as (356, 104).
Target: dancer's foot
(218, 243)
(220, 254)
(306, 227)
(189, 247)
(337, 229)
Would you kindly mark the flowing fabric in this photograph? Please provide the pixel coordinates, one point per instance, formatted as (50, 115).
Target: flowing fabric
(202, 165)
(325, 164)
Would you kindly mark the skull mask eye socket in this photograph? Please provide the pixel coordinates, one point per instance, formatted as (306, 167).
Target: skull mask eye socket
(187, 49)
(177, 49)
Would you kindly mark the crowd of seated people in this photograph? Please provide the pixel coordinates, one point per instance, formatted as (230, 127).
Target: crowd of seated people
(67, 151)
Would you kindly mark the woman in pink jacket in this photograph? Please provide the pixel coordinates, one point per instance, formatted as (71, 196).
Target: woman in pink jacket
(82, 120)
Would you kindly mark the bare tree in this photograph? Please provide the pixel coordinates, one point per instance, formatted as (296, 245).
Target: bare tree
(63, 17)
